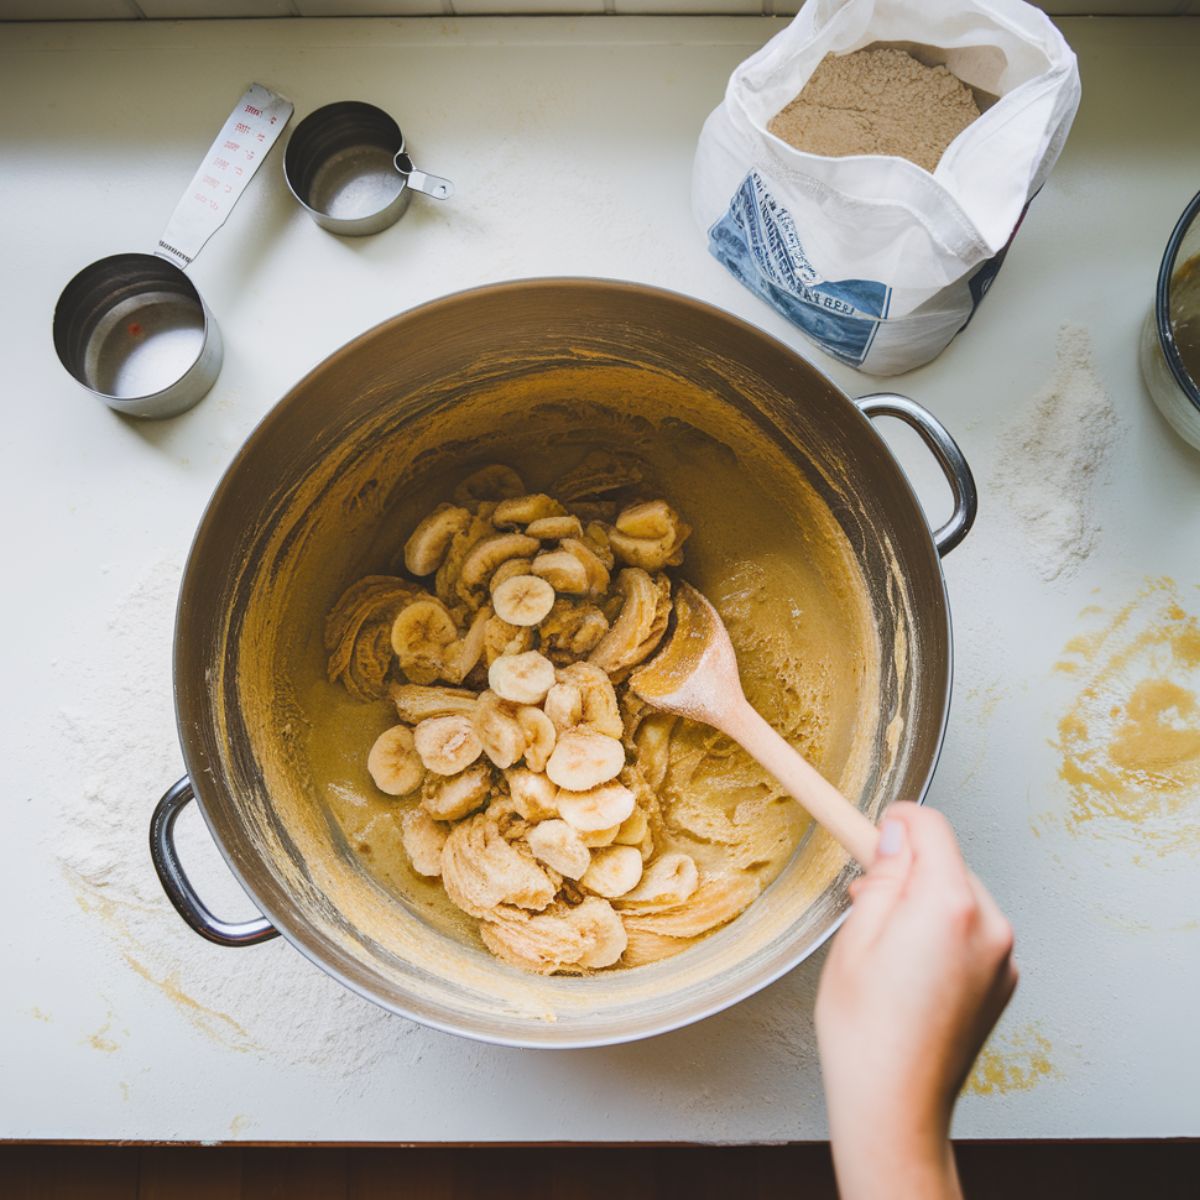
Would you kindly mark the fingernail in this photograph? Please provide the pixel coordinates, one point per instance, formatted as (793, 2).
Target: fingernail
(891, 837)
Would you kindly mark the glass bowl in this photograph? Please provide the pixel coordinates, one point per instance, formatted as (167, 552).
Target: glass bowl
(1166, 348)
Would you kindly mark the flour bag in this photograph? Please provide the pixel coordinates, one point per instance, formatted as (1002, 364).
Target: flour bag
(879, 262)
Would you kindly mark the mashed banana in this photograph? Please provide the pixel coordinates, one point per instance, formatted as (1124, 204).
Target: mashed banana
(580, 828)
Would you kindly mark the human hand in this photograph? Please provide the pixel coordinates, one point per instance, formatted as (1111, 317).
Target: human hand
(917, 977)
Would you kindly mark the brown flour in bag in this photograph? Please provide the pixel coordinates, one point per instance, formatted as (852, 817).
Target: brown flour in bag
(877, 102)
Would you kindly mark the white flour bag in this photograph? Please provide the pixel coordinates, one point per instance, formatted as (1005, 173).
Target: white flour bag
(876, 260)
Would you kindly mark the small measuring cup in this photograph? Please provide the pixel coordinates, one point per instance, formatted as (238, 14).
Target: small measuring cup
(1169, 350)
(347, 165)
(132, 328)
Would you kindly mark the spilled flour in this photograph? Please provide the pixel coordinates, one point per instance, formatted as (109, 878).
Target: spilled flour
(1054, 458)
(119, 726)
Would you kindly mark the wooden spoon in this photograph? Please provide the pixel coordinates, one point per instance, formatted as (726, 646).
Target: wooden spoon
(696, 675)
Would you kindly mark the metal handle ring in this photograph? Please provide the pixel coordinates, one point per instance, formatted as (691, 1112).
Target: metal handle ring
(179, 888)
(945, 449)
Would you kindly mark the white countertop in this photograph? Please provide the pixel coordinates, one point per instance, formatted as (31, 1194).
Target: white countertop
(570, 141)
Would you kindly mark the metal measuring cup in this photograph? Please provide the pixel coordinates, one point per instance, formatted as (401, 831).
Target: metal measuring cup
(347, 165)
(132, 328)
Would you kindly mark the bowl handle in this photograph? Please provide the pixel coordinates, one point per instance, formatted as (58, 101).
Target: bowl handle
(945, 449)
(179, 888)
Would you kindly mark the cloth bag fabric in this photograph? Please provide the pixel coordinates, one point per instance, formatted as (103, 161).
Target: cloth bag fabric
(878, 261)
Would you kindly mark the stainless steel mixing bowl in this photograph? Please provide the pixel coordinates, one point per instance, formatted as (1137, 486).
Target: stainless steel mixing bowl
(323, 469)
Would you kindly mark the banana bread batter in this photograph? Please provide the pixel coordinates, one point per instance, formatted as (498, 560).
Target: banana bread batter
(533, 792)
(767, 549)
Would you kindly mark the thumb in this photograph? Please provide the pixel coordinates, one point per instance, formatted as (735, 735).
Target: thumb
(875, 893)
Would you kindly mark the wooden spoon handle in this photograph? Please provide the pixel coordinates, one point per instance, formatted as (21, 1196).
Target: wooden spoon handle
(804, 783)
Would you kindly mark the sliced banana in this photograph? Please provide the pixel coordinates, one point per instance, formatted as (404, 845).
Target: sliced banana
(604, 807)
(540, 736)
(583, 759)
(593, 565)
(634, 830)
(423, 839)
(572, 630)
(645, 610)
(523, 583)
(564, 706)
(420, 634)
(507, 569)
(447, 745)
(595, 536)
(717, 900)
(647, 553)
(502, 638)
(615, 870)
(604, 930)
(425, 549)
(486, 555)
(445, 582)
(523, 600)
(648, 519)
(394, 763)
(459, 658)
(523, 510)
(652, 744)
(594, 838)
(550, 529)
(452, 797)
(669, 880)
(533, 795)
(599, 709)
(562, 571)
(498, 730)
(495, 482)
(558, 845)
(649, 804)
(503, 810)
(649, 535)
(522, 678)
(415, 702)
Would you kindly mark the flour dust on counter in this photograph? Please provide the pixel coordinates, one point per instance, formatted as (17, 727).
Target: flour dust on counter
(119, 725)
(1054, 459)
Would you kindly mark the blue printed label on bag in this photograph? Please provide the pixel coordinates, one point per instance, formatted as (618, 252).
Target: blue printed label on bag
(757, 241)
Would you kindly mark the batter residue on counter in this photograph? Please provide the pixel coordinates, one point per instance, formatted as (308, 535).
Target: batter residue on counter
(1130, 741)
(580, 828)
(1012, 1062)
